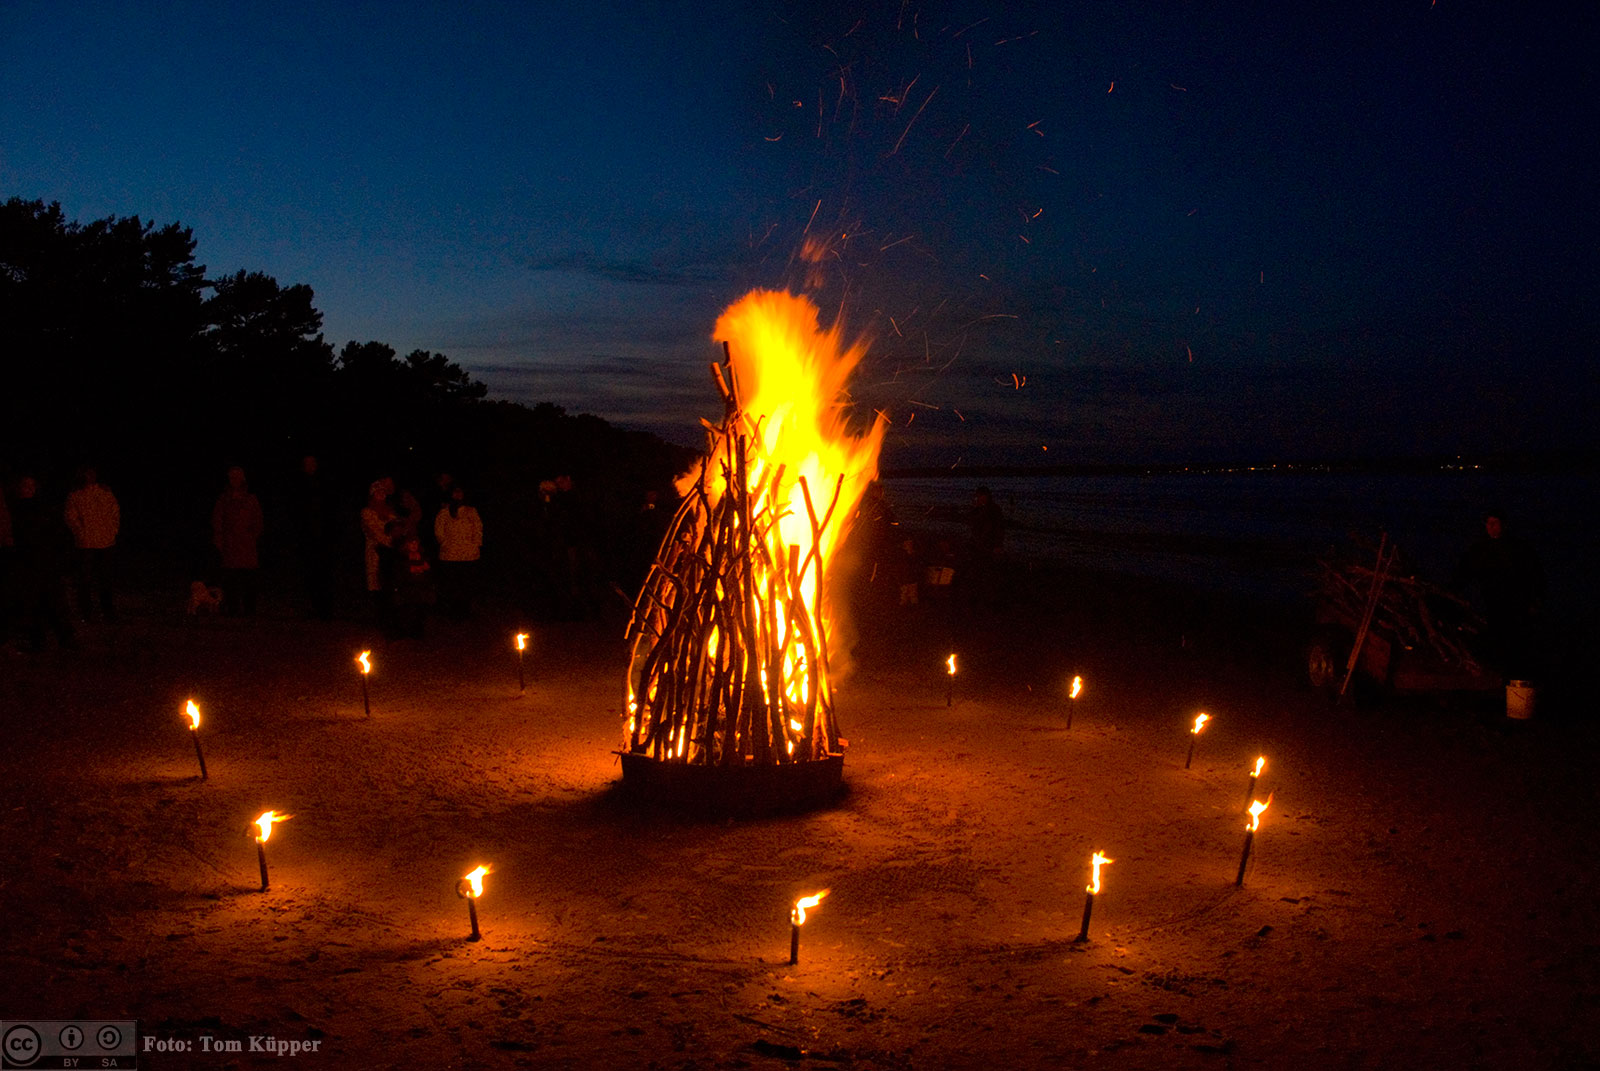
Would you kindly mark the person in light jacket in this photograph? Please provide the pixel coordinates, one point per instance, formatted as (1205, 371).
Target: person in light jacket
(459, 530)
(236, 524)
(94, 518)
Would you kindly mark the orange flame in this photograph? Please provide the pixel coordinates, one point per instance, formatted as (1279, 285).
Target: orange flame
(1261, 764)
(1256, 807)
(1097, 861)
(1077, 688)
(805, 471)
(364, 660)
(950, 665)
(265, 821)
(193, 711)
(798, 915)
(522, 641)
(1200, 723)
(474, 880)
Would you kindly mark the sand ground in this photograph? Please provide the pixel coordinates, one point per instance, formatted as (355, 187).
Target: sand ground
(1423, 892)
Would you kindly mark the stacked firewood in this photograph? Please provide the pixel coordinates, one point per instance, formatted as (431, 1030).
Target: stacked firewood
(728, 647)
(1409, 611)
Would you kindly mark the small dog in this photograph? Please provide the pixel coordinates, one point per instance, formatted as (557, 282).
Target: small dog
(203, 599)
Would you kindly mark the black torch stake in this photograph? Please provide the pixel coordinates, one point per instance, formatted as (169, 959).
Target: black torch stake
(472, 916)
(1096, 861)
(1088, 910)
(261, 857)
(1256, 807)
(201, 755)
(366, 701)
(794, 942)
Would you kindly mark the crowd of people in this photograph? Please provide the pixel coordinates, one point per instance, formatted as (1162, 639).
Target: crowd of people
(420, 555)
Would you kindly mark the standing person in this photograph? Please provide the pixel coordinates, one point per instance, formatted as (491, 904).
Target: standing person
(38, 542)
(379, 525)
(236, 525)
(436, 498)
(459, 531)
(94, 518)
(312, 508)
(1510, 580)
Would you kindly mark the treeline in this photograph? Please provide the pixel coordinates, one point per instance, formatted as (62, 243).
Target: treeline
(119, 351)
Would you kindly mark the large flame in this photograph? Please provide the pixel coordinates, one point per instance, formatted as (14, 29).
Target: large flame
(522, 641)
(950, 665)
(265, 822)
(474, 880)
(1261, 764)
(803, 471)
(1099, 860)
(1077, 688)
(364, 660)
(193, 711)
(804, 904)
(1200, 723)
(789, 376)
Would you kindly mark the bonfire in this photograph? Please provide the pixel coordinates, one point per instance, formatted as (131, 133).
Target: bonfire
(729, 638)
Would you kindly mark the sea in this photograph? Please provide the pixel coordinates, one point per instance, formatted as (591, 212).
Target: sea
(1260, 531)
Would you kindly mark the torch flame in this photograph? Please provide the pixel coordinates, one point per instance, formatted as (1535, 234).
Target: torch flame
(798, 915)
(1099, 860)
(1077, 688)
(1261, 764)
(264, 823)
(364, 660)
(522, 641)
(475, 880)
(1200, 723)
(950, 664)
(193, 711)
(1256, 807)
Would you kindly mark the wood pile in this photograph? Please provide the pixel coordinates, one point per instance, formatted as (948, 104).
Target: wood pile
(728, 659)
(1411, 612)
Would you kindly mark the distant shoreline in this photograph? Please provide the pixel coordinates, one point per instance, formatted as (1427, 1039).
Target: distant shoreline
(1574, 462)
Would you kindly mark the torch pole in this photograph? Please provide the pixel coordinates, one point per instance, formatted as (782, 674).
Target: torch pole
(794, 943)
(261, 857)
(1244, 857)
(1192, 738)
(366, 702)
(201, 755)
(949, 689)
(472, 916)
(1088, 909)
(522, 684)
(1072, 704)
(1250, 792)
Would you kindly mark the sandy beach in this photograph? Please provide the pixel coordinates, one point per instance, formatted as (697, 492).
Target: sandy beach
(1422, 891)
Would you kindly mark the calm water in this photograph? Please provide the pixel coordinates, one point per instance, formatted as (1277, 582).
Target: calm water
(1262, 532)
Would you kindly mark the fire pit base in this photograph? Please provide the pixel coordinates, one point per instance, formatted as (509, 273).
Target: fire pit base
(742, 791)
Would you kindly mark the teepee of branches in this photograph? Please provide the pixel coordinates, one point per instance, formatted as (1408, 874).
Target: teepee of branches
(728, 638)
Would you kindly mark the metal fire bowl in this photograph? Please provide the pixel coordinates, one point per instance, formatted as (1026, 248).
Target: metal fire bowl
(732, 791)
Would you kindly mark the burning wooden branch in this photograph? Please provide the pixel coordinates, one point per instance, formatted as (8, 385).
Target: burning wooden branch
(728, 640)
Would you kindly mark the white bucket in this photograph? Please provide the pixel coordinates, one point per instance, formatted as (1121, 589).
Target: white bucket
(1521, 697)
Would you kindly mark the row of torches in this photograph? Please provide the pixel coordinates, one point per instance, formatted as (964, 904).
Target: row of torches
(470, 886)
(1099, 858)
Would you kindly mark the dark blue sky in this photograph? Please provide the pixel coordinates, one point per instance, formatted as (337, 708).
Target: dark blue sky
(1195, 230)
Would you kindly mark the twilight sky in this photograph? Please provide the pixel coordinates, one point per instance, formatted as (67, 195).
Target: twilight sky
(1073, 231)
